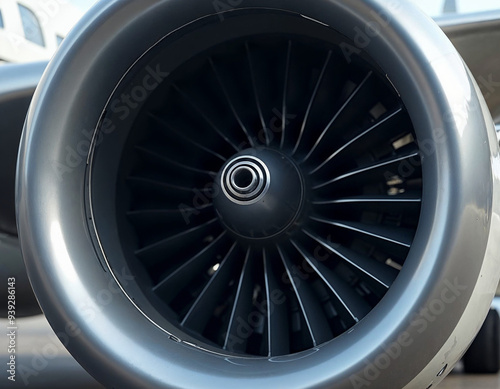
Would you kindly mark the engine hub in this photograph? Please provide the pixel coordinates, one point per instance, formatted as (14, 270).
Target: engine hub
(262, 193)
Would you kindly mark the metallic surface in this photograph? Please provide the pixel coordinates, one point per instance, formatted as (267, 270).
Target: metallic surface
(476, 38)
(268, 209)
(424, 323)
(253, 192)
(45, 363)
(42, 360)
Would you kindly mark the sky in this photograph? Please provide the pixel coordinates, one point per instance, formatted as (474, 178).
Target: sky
(435, 7)
(82, 4)
(432, 7)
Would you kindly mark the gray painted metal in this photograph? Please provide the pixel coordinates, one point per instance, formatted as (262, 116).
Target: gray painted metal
(431, 312)
(476, 38)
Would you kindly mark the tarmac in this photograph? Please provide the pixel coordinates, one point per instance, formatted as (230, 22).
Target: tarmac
(42, 362)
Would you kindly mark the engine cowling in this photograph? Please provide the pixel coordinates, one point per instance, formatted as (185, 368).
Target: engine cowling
(272, 193)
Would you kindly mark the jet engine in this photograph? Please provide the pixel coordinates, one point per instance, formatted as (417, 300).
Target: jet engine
(270, 194)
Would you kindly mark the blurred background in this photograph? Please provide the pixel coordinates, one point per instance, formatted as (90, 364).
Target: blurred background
(31, 30)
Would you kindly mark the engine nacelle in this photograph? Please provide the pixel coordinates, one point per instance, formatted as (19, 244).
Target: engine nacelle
(263, 194)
